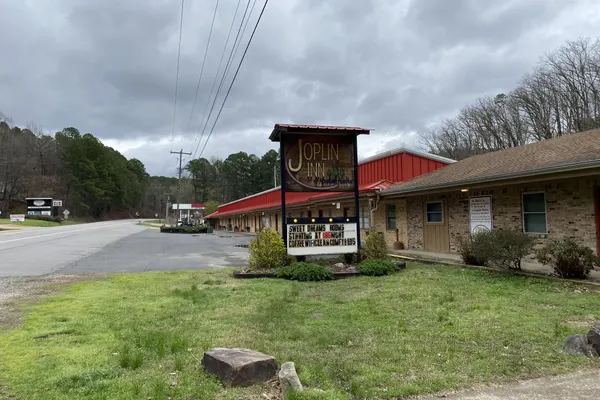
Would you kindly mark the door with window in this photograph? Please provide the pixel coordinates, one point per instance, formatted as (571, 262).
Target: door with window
(436, 235)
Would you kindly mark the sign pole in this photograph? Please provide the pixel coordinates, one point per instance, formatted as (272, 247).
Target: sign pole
(356, 193)
(282, 172)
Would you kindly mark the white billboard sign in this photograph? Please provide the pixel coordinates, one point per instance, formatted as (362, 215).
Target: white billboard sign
(56, 203)
(314, 239)
(480, 214)
(17, 217)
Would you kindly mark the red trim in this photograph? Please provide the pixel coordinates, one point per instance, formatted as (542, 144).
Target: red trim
(374, 175)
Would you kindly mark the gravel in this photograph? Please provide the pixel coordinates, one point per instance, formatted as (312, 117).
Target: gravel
(16, 291)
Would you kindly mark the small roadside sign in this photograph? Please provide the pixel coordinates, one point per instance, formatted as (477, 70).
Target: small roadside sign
(66, 214)
(56, 203)
(17, 217)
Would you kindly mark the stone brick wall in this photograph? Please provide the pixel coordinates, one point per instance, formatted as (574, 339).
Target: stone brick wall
(414, 219)
(379, 222)
(569, 212)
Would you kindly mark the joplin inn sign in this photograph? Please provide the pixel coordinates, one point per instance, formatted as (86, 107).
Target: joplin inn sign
(319, 159)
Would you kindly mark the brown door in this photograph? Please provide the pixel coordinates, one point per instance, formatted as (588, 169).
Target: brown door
(435, 226)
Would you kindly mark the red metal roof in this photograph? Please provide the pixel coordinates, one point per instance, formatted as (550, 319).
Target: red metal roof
(279, 128)
(376, 173)
(323, 127)
(295, 198)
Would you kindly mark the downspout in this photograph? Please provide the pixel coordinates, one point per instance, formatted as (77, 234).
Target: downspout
(373, 210)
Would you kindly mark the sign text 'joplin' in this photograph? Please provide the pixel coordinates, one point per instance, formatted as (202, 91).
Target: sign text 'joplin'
(322, 163)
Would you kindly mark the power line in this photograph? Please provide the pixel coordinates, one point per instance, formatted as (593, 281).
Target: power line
(225, 73)
(221, 63)
(177, 74)
(235, 76)
(237, 41)
(202, 68)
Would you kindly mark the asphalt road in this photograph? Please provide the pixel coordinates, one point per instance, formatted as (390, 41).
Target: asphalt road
(121, 246)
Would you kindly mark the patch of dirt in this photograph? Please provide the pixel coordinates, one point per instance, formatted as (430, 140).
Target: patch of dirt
(270, 390)
(586, 322)
(5, 393)
(17, 291)
(346, 268)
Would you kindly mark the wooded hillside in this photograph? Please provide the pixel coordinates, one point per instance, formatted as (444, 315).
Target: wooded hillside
(95, 181)
(560, 97)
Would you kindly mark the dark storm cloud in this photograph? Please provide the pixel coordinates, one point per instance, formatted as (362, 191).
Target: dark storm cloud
(108, 66)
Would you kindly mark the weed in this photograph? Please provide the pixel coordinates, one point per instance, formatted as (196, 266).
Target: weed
(179, 363)
(373, 340)
(213, 282)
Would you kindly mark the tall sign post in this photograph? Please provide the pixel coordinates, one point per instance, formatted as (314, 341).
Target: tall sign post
(319, 159)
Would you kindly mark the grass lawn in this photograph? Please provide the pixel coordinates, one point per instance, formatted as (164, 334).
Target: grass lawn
(39, 223)
(422, 330)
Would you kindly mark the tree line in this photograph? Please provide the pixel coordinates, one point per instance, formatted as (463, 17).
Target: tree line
(561, 96)
(97, 182)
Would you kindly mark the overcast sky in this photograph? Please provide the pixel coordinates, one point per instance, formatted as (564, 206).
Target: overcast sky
(108, 66)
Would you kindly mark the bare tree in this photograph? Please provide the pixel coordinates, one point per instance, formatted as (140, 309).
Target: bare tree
(561, 96)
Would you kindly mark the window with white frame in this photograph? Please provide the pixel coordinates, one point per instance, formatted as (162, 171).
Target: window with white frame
(534, 213)
(435, 212)
(365, 217)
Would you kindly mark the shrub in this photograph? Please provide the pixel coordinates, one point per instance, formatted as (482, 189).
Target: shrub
(304, 272)
(186, 229)
(48, 218)
(467, 254)
(568, 259)
(267, 250)
(376, 267)
(501, 248)
(375, 247)
(349, 258)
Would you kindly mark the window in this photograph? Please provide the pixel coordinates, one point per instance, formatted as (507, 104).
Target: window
(301, 214)
(435, 214)
(320, 213)
(310, 214)
(534, 213)
(346, 212)
(365, 217)
(391, 216)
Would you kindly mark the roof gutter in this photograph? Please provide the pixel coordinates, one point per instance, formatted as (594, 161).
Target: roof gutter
(577, 166)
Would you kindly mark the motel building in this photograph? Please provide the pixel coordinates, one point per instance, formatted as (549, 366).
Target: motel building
(263, 210)
(548, 189)
(423, 202)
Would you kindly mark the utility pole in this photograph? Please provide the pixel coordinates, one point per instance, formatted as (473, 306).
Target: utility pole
(181, 153)
(275, 175)
(167, 210)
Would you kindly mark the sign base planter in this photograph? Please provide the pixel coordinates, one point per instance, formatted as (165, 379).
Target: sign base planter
(185, 229)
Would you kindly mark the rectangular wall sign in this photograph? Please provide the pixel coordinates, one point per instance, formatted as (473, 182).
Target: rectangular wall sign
(17, 217)
(480, 213)
(313, 239)
(319, 163)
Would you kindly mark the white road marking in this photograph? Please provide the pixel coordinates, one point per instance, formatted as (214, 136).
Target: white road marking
(61, 232)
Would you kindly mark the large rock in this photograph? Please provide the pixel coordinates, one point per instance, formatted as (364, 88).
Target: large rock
(593, 338)
(578, 345)
(288, 378)
(239, 367)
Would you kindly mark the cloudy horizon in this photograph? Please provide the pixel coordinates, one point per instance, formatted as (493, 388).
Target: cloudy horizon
(108, 67)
